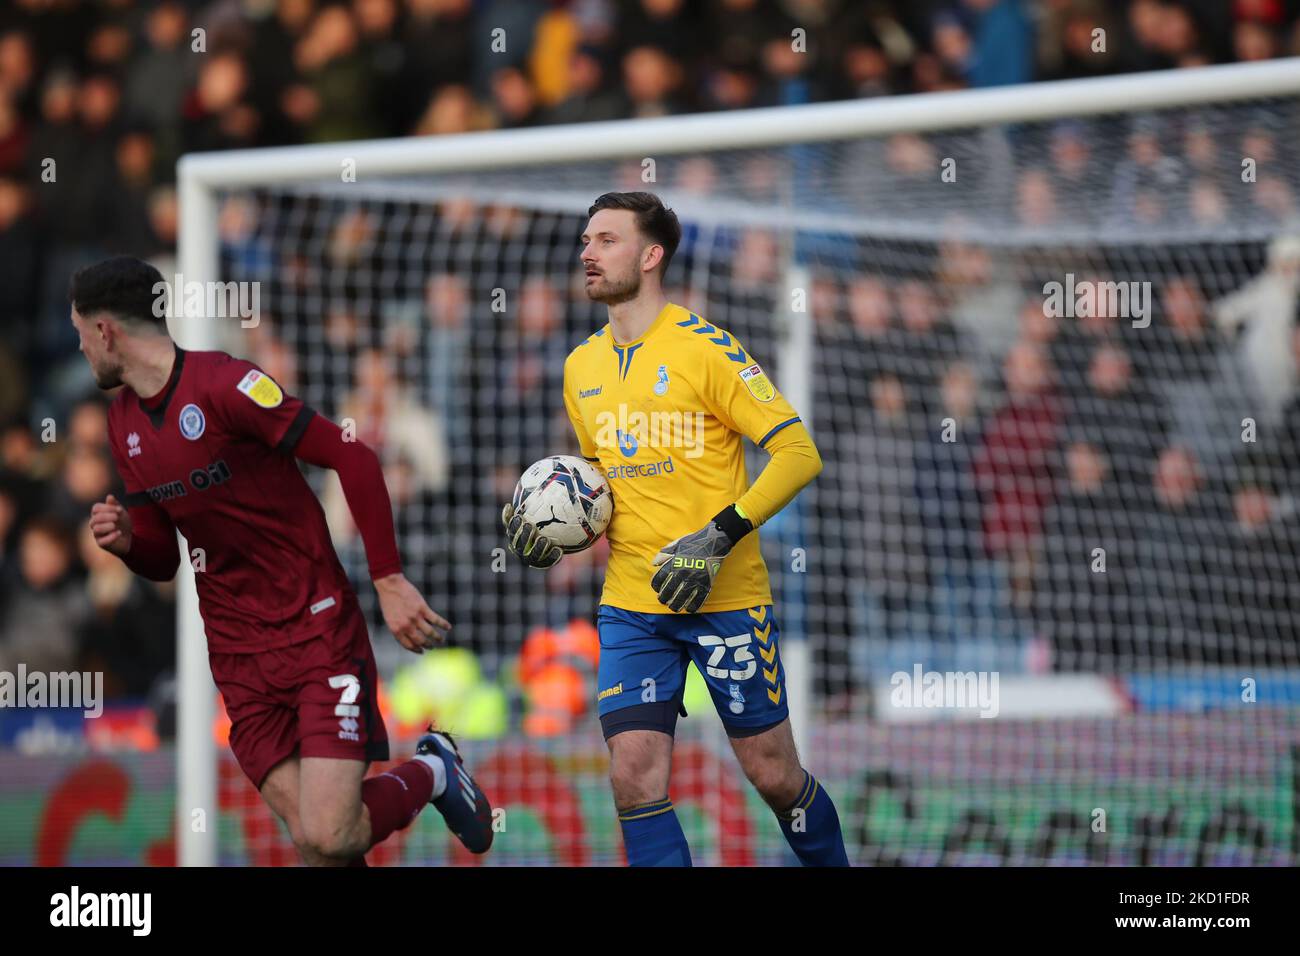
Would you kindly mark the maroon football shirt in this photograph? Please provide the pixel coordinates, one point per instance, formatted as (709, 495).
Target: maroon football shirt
(215, 453)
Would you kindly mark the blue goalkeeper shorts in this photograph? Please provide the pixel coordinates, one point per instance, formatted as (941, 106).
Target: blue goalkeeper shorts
(643, 660)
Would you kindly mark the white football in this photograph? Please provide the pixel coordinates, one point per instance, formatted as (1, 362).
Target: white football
(567, 499)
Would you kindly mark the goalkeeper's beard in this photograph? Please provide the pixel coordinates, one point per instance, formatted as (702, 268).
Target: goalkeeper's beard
(611, 292)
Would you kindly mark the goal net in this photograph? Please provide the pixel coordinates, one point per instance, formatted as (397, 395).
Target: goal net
(1041, 604)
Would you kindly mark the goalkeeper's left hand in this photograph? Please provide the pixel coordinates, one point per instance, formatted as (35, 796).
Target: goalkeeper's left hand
(688, 565)
(526, 543)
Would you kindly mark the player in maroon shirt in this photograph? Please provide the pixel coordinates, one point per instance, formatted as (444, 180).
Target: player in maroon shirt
(205, 445)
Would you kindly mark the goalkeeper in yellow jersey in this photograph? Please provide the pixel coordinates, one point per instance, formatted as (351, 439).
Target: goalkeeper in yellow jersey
(662, 400)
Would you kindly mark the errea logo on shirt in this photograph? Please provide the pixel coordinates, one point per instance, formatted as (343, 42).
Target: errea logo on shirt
(133, 445)
(261, 388)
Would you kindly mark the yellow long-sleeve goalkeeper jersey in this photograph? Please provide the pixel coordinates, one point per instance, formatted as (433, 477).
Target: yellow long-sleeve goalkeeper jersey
(665, 417)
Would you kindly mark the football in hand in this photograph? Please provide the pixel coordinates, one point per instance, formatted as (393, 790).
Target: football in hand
(567, 499)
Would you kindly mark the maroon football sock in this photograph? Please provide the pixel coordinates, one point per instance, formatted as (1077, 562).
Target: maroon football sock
(395, 798)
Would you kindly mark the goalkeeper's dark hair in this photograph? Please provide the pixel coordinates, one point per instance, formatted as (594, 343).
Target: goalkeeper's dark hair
(657, 222)
(128, 288)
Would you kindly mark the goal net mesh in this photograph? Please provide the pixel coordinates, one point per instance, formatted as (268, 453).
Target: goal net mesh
(1049, 367)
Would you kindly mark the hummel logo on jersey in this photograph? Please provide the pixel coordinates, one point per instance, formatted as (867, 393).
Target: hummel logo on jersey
(590, 392)
(133, 445)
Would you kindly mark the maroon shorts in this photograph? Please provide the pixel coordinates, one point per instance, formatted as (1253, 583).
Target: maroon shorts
(315, 699)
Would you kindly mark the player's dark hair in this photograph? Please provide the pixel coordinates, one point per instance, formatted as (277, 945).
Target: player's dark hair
(124, 286)
(657, 222)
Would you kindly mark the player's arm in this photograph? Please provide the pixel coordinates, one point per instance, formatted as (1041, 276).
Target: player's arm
(253, 405)
(138, 531)
(793, 464)
(751, 405)
(141, 535)
(526, 543)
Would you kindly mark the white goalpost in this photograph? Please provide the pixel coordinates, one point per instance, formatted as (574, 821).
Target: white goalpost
(826, 184)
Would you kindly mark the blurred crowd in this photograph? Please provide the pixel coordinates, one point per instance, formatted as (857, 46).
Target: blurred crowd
(66, 604)
(1123, 487)
(99, 99)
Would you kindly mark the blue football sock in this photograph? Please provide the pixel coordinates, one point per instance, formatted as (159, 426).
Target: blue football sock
(653, 836)
(812, 827)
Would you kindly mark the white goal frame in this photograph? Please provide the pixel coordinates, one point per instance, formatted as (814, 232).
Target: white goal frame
(201, 176)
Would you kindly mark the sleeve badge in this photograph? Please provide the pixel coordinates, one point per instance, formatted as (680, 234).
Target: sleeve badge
(261, 388)
(757, 382)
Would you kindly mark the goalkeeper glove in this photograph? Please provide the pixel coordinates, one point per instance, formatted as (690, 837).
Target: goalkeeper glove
(688, 565)
(535, 550)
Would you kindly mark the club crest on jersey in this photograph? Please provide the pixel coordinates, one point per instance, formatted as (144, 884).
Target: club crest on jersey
(261, 388)
(661, 386)
(192, 422)
(757, 383)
